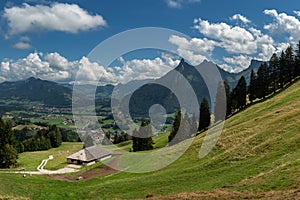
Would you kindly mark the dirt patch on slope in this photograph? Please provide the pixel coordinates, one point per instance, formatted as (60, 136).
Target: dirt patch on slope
(102, 170)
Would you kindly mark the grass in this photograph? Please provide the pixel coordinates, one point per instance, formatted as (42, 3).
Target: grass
(30, 160)
(160, 141)
(257, 152)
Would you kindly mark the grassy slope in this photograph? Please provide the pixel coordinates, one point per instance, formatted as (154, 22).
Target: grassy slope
(160, 141)
(258, 152)
(30, 160)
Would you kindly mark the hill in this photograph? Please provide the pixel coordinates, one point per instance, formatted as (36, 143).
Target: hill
(256, 157)
(37, 90)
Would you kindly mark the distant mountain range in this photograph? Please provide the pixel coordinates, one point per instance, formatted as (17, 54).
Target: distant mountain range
(37, 90)
(60, 95)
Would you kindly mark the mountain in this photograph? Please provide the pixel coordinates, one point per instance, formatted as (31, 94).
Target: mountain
(233, 78)
(37, 90)
(60, 95)
(161, 91)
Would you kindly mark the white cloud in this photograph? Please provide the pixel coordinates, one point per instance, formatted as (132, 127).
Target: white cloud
(233, 39)
(285, 24)
(237, 63)
(193, 58)
(239, 17)
(195, 44)
(55, 60)
(22, 45)
(195, 50)
(32, 65)
(238, 40)
(55, 17)
(264, 43)
(282, 47)
(174, 3)
(55, 67)
(227, 68)
(179, 3)
(297, 13)
(145, 68)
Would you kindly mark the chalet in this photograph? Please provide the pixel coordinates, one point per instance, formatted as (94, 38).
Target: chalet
(89, 156)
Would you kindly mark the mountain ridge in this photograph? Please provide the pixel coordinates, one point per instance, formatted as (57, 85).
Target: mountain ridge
(59, 95)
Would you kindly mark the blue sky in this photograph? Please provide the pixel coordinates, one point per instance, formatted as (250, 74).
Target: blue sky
(51, 39)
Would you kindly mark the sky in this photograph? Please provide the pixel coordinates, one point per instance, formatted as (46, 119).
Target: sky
(52, 39)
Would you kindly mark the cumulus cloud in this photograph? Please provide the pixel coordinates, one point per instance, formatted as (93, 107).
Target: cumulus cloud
(195, 50)
(248, 41)
(55, 67)
(284, 24)
(179, 3)
(237, 63)
(57, 61)
(233, 39)
(144, 68)
(54, 17)
(195, 44)
(22, 45)
(239, 17)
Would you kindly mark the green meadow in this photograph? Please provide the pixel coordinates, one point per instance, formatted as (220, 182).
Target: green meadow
(256, 157)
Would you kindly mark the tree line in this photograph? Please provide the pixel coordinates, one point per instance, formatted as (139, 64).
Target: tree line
(270, 78)
(13, 142)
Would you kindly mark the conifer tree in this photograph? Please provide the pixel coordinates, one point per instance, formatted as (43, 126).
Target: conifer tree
(274, 72)
(239, 94)
(142, 139)
(297, 60)
(220, 103)
(193, 122)
(282, 69)
(252, 86)
(228, 99)
(176, 125)
(8, 144)
(204, 119)
(262, 81)
(289, 70)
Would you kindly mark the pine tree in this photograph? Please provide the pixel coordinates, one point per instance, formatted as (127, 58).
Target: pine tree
(283, 70)
(274, 72)
(135, 141)
(204, 119)
(297, 61)
(55, 136)
(220, 103)
(193, 122)
(176, 125)
(262, 81)
(185, 131)
(228, 99)
(252, 86)
(142, 139)
(8, 144)
(290, 62)
(239, 94)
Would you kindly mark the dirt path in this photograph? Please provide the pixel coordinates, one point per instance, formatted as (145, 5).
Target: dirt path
(42, 171)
